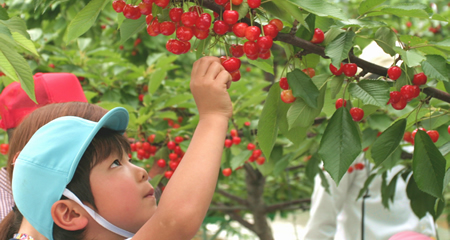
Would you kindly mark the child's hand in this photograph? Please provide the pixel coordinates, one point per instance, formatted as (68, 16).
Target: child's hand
(209, 84)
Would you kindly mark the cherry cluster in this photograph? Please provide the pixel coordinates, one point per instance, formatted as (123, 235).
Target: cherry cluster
(175, 156)
(357, 166)
(409, 136)
(4, 148)
(399, 99)
(144, 149)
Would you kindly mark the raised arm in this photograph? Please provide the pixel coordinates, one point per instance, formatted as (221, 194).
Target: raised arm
(188, 194)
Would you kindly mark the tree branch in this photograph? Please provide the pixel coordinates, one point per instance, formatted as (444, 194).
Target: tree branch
(279, 206)
(232, 197)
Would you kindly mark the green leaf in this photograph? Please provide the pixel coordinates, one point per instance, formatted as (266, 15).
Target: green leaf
(366, 185)
(336, 85)
(202, 48)
(386, 144)
(292, 10)
(320, 8)
(307, 33)
(360, 24)
(388, 191)
(240, 159)
(411, 57)
(443, 45)
(25, 43)
(428, 165)
(386, 38)
(374, 92)
(263, 64)
(16, 24)
(3, 14)
(421, 202)
(156, 79)
(302, 115)
(297, 134)
(267, 125)
(312, 168)
(303, 87)
(130, 27)
(180, 98)
(367, 5)
(340, 144)
(339, 48)
(17, 68)
(414, 10)
(84, 19)
(435, 67)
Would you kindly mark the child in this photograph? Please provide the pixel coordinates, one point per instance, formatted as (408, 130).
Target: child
(87, 160)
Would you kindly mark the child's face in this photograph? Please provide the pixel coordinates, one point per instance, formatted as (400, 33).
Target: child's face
(122, 193)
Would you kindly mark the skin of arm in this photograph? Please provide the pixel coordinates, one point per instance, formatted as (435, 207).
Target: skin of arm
(189, 192)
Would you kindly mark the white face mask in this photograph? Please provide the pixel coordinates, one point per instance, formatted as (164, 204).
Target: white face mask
(99, 219)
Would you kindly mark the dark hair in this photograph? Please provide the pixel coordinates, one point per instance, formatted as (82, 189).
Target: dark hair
(22, 135)
(106, 143)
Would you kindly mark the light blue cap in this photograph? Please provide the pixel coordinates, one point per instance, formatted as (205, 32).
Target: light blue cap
(48, 162)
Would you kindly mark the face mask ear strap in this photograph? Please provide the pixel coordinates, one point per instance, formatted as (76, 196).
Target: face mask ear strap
(99, 219)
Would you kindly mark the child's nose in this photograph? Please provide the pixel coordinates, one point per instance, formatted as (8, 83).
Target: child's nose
(141, 173)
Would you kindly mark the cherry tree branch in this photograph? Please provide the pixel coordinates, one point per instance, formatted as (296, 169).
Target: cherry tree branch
(283, 205)
(232, 197)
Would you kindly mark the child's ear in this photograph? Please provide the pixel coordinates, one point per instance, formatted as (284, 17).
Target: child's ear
(15, 157)
(68, 215)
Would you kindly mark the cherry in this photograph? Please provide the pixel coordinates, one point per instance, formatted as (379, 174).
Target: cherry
(173, 165)
(357, 114)
(359, 166)
(230, 16)
(220, 27)
(141, 97)
(161, 163)
(200, 34)
(419, 79)
(156, 26)
(185, 33)
(235, 76)
(236, 140)
(408, 24)
(161, 3)
(265, 55)
(148, 1)
(335, 71)
(51, 65)
(168, 174)
(189, 18)
(179, 139)
(146, 146)
(151, 138)
(448, 129)
(434, 135)
(4, 148)
(401, 104)
(251, 146)
(394, 72)
(221, 2)
(137, 41)
(260, 160)
(132, 146)
(254, 3)
(234, 133)
(278, 23)
(247, 124)
(176, 47)
(119, 5)
(131, 12)
(228, 143)
(350, 169)
(237, 2)
(265, 42)
(175, 14)
(318, 36)
(284, 83)
(139, 145)
(251, 48)
(171, 145)
(145, 8)
(149, 18)
(407, 137)
(239, 29)
(256, 153)
(287, 96)
(227, 172)
(349, 69)
(408, 92)
(203, 22)
(413, 134)
(252, 33)
(232, 64)
(340, 102)
(237, 50)
(310, 72)
(252, 56)
(167, 28)
(395, 96)
(270, 30)
(173, 156)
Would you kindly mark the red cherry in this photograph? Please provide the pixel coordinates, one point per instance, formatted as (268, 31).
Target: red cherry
(220, 27)
(146, 146)
(119, 5)
(145, 8)
(200, 34)
(151, 138)
(252, 56)
(256, 153)
(270, 30)
(395, 96)
(168, 174)
(408, 24)
(141, 97)
(407, 137)
(357, 114)
(184, 34)
(284, 83)
(161, 163)
(359, 166)
(237, 2)
(230, 16)
(235, 76)
(175, 14)
(161, 3)
(340, 102)
(254, 3)
(4, 148)
(278, 23)
(189, 18)
(394, 72)
(448, 129)
(260, 160)
(203, 22)
(138, 145)
(349, 69)
(252, 33)
(419, 79)
(179, 139)
(149, 18)
(51, 65)
(318, 36)
(173, 156)
(173, 165)
(234, 133)
(287, 96)
(350, 169)
(265, 55)
(264, 42)
(251, 48)
(335, 71)
(132, 146)
(236, 140)
(228, 143)
(227, 172)
(239, 29)
(434, 135)
(413, 134)
(250, 146)
(409, 92)
(232, 64)
(310, 72)
(247, 124)
(156, 26)
(401, 104)
(171, 145)
(167, 28)
(237, 50)
(132, 12)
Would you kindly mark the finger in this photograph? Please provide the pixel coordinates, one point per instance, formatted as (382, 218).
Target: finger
(204, 64)
(224, 77)
(214, 69)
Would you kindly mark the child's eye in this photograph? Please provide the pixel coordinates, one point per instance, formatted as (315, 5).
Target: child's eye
(116, 163)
